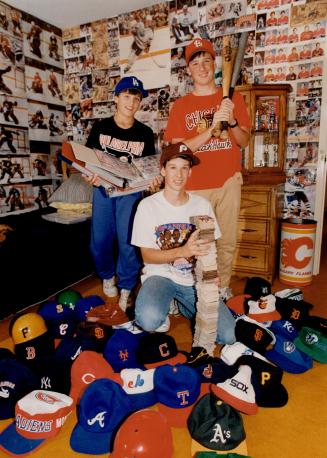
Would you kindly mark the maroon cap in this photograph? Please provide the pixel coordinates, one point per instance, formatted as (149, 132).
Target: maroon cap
(197, 45)
(178, 150)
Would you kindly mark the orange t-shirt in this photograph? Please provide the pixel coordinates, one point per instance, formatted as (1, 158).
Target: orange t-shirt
(220, 159)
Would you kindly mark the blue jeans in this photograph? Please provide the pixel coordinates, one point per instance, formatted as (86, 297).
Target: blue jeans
(111, 231)
(153, 302)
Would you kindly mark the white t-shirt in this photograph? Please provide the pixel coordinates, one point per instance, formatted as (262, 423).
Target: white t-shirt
(162, 226)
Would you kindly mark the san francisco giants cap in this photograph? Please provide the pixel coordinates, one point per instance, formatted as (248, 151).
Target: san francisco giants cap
(198, 45)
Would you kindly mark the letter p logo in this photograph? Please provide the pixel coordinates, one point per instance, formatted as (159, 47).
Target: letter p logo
(265, 376)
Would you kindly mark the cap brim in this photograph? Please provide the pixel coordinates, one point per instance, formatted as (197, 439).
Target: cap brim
(245, 407)
(83, 441)
(15, 444)
(263, 317)
(197, 447)
(276, 397)
(236, 303)
(286, 364)
(321, 358)
(178, 359)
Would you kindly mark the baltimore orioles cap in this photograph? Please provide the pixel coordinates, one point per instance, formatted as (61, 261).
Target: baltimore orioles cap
(198, 45)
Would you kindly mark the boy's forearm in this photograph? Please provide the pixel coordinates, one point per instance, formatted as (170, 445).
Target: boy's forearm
(154, 256)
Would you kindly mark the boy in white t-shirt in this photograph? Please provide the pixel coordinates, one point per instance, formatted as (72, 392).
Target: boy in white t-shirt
(169, 243)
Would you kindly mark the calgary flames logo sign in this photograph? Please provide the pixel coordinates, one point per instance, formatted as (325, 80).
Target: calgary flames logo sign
(289, 252)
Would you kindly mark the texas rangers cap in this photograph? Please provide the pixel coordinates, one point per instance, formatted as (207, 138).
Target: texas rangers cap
(198, 45)
(130, 82)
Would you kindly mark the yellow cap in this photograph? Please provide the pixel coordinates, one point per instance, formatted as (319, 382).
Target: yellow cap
(28, 327)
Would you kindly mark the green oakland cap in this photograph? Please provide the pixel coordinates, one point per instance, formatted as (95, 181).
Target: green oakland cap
(313, 343)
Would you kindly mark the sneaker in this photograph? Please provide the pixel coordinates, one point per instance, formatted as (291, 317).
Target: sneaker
(173, 309)
(126, 299)
(109, 287)
(225, 293)
(165, 326)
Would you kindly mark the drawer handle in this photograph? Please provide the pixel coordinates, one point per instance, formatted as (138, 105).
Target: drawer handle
(249, 230)
(248, 256)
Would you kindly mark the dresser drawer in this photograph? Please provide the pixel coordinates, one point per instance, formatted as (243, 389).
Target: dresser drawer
(251, 258)
(249, 230)
(256, 203)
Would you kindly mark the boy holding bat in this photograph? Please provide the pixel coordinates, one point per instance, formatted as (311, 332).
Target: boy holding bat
(218, 177)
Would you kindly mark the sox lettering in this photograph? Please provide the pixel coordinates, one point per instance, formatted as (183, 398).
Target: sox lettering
(239, 385)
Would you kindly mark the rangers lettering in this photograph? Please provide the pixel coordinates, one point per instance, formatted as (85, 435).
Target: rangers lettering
(184, 395)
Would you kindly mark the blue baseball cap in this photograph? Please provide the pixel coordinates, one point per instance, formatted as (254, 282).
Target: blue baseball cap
(16, 380)
(61, 320)
(103, 406)
(69, 349)
(130, 82)
(120, 350)
(85, 304)
(286, 356)
(284, 328)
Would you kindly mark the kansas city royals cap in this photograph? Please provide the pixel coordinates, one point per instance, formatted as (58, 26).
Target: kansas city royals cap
(177, 388)
(38, 416)
(286, 356)
(120, 350)
(313, 343)
(16, 380)
(284, 328)
(61, 320)
(216, 426)
(157, 349)
(130, 82)
(103, 406)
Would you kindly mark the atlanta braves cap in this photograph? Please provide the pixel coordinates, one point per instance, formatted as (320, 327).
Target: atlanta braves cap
(120, 350)
(257, 287)
(98, 333)
(253, 334)
(88, 367)
(130, 82)
(286, 356)
(85, 304)
(157, 349)
(313, 343)
(38, 416)
(16, 380)
(215, 425)
(61, 320)
(103, 406)
(284, 328)
(267, 382)
(199, 45)
(177, 388)
(238, 391)
(178, 150)
(139, 386)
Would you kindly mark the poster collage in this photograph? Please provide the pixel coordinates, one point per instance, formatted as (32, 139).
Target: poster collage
(62, 85)
(32, 111)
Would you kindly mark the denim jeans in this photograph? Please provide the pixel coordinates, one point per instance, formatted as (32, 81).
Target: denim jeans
(153, 302)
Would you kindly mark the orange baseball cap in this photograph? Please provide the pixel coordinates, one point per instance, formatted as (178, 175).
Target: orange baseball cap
(198, 45)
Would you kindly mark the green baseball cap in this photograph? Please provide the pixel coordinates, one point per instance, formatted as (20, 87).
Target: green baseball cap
(69, 297)
(313, 343)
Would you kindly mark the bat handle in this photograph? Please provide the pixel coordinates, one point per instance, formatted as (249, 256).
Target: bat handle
(216, 131)
(224, 135)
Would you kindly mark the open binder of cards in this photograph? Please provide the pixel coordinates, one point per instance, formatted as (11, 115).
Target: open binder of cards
(116, 176)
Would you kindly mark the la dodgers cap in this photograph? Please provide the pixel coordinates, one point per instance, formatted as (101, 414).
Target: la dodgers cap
(138, 384)
(216, 426)
(120, 350)
(103, 406)
(157, 349)
(130, 82)
(289, 358)
(38, 416)
(313, 343)
(177, 388)
(178, 150)
(198, 45)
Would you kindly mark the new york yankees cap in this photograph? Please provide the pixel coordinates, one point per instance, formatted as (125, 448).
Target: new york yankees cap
(103, 406)
(16, 380)
(120, 350)
(38, 416)
(216, 426)
(313, 343)
(53, 375)
(238, 391)
(157, 349)
(198, 45)
(289, 358)
(253, 334)
(61, 320)
(138, 384)
(130, 82)
(177, 388)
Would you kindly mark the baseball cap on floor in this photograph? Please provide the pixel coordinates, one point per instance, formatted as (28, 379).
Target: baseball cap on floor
(236, 304)
(198, 45)
(120, 350)
(178, 150)
(313, 343)
(230, 353)
(97, 332)
(286, 356)
(16, 380)
(107, 314)
(85, 304)
(216, 426)
(139, 386)
(130, 82)
(198, 356)
(5, 353)
(238, 391)
(215, 371)
(103, 406)
(69, 349)
(61, 321)
(257, 287)
(53, 375)
(295, 311)
(177, 388)
(88, 367)
(284, 328)
(253, 334)
(38, 416)
(316, 322)
(263, 309)
(34, 352)
(157, 349)
(267, 382)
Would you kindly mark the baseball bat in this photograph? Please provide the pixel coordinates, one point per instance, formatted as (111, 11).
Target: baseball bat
(228, 56)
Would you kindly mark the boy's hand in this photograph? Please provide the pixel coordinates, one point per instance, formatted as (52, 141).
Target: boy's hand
(195, 246)
(155, 184)
(94, 180)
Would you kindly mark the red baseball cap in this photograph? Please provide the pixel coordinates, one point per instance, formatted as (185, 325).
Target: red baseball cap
(197, 45)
